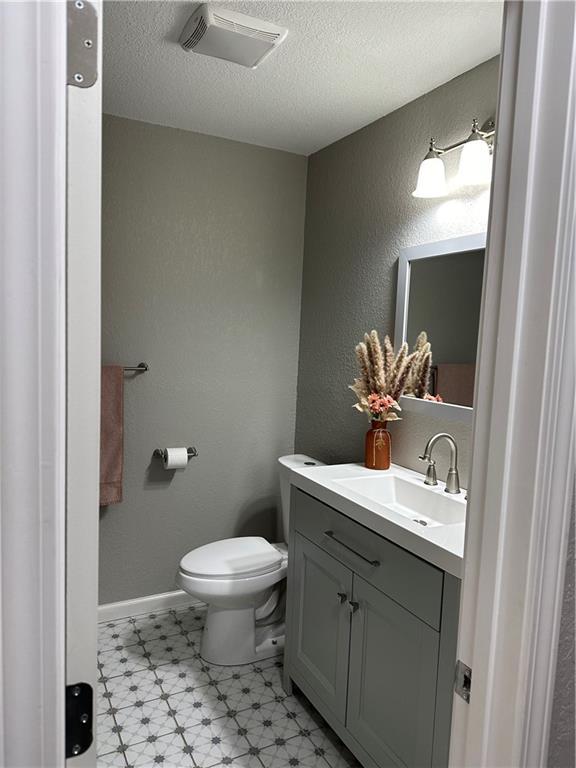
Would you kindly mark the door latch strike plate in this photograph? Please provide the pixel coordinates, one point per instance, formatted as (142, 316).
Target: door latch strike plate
(463, 681)
(78, 718)
(82, 39)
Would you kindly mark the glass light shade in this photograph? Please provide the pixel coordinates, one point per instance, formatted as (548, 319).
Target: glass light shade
(431, 178)
(475, 167)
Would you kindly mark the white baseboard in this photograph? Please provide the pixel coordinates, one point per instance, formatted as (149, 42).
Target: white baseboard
(148, 604)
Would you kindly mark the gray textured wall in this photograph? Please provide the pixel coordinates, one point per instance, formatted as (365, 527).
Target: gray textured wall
(202, 262)
(359, 214)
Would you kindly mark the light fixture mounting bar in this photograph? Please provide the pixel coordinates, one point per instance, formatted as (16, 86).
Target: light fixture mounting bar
(487, 132)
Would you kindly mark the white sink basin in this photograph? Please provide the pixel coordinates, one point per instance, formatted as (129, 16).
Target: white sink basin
(395, 504)
(427, 506)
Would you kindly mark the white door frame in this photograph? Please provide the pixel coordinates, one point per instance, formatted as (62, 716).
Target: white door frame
(523, 446)
(83, 195)
(32, 383)
(49, 383)
(510, 600)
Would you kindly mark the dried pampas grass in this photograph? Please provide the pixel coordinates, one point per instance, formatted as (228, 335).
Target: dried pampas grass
(382, 373)
(419, 378)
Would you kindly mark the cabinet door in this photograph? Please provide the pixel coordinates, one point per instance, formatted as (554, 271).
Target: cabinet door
(320, 634)
(392, 680)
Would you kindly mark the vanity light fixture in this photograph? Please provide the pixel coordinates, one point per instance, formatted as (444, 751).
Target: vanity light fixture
(475, 166)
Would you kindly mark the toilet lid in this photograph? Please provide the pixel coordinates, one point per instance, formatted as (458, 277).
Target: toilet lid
(244, 555)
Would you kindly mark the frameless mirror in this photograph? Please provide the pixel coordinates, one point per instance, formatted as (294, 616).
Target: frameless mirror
(440, 292)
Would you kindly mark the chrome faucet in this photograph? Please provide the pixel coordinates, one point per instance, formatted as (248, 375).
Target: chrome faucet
(452, 480)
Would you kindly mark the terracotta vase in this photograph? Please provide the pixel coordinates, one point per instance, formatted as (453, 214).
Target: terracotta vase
(377, 446)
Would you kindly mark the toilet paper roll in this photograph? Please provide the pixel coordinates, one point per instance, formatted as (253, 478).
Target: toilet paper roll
(176, 458)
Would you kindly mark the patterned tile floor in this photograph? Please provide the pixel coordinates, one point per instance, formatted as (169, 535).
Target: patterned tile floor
(159, 703)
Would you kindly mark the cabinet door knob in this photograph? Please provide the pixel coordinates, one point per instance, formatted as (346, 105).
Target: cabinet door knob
(353, 606)
(342, 596)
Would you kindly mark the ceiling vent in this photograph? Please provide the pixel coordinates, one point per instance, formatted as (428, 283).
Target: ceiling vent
(231, 36)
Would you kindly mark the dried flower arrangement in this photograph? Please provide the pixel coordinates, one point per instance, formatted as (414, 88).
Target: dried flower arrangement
(383, 377)
(433, 398)
(419, 376)
(386, 376)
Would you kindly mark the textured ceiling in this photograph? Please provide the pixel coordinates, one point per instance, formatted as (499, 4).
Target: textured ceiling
(343, 65)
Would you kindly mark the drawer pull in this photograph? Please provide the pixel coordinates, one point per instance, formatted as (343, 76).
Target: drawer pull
(373, 563)
(342, 597)
(353, 606)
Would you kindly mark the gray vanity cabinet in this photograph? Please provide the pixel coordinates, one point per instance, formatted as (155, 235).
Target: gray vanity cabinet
(322, 625)
(371, 638)
(392, 680)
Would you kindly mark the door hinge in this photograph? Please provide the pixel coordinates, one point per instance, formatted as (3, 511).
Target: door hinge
(78, 718)
(82, 41)
(463, 681)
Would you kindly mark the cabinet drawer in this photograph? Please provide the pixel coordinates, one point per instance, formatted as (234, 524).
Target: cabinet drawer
(407, 579)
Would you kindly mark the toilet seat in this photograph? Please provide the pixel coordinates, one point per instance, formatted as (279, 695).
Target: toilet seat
(241, 557)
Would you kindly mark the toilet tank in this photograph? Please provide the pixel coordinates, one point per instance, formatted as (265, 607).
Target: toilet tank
(285, 466)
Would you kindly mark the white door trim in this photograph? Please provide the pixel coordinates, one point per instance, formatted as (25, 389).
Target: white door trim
(83, 190)
(32, 382)
(524, 419)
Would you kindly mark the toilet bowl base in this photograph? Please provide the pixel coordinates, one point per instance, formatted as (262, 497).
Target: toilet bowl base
(231, 637)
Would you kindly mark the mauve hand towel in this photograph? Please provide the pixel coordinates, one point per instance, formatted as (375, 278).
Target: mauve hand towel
(111, 434)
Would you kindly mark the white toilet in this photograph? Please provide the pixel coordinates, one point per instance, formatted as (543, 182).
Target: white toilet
(242, 580)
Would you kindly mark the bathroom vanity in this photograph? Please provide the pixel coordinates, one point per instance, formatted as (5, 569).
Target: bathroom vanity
(373, 596)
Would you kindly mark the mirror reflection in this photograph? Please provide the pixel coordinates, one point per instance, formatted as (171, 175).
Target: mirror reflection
(444, 295)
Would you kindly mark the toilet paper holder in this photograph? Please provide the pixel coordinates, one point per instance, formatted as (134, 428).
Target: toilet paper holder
(161, 453)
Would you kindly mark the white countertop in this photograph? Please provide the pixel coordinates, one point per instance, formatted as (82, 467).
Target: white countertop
(441, 545)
